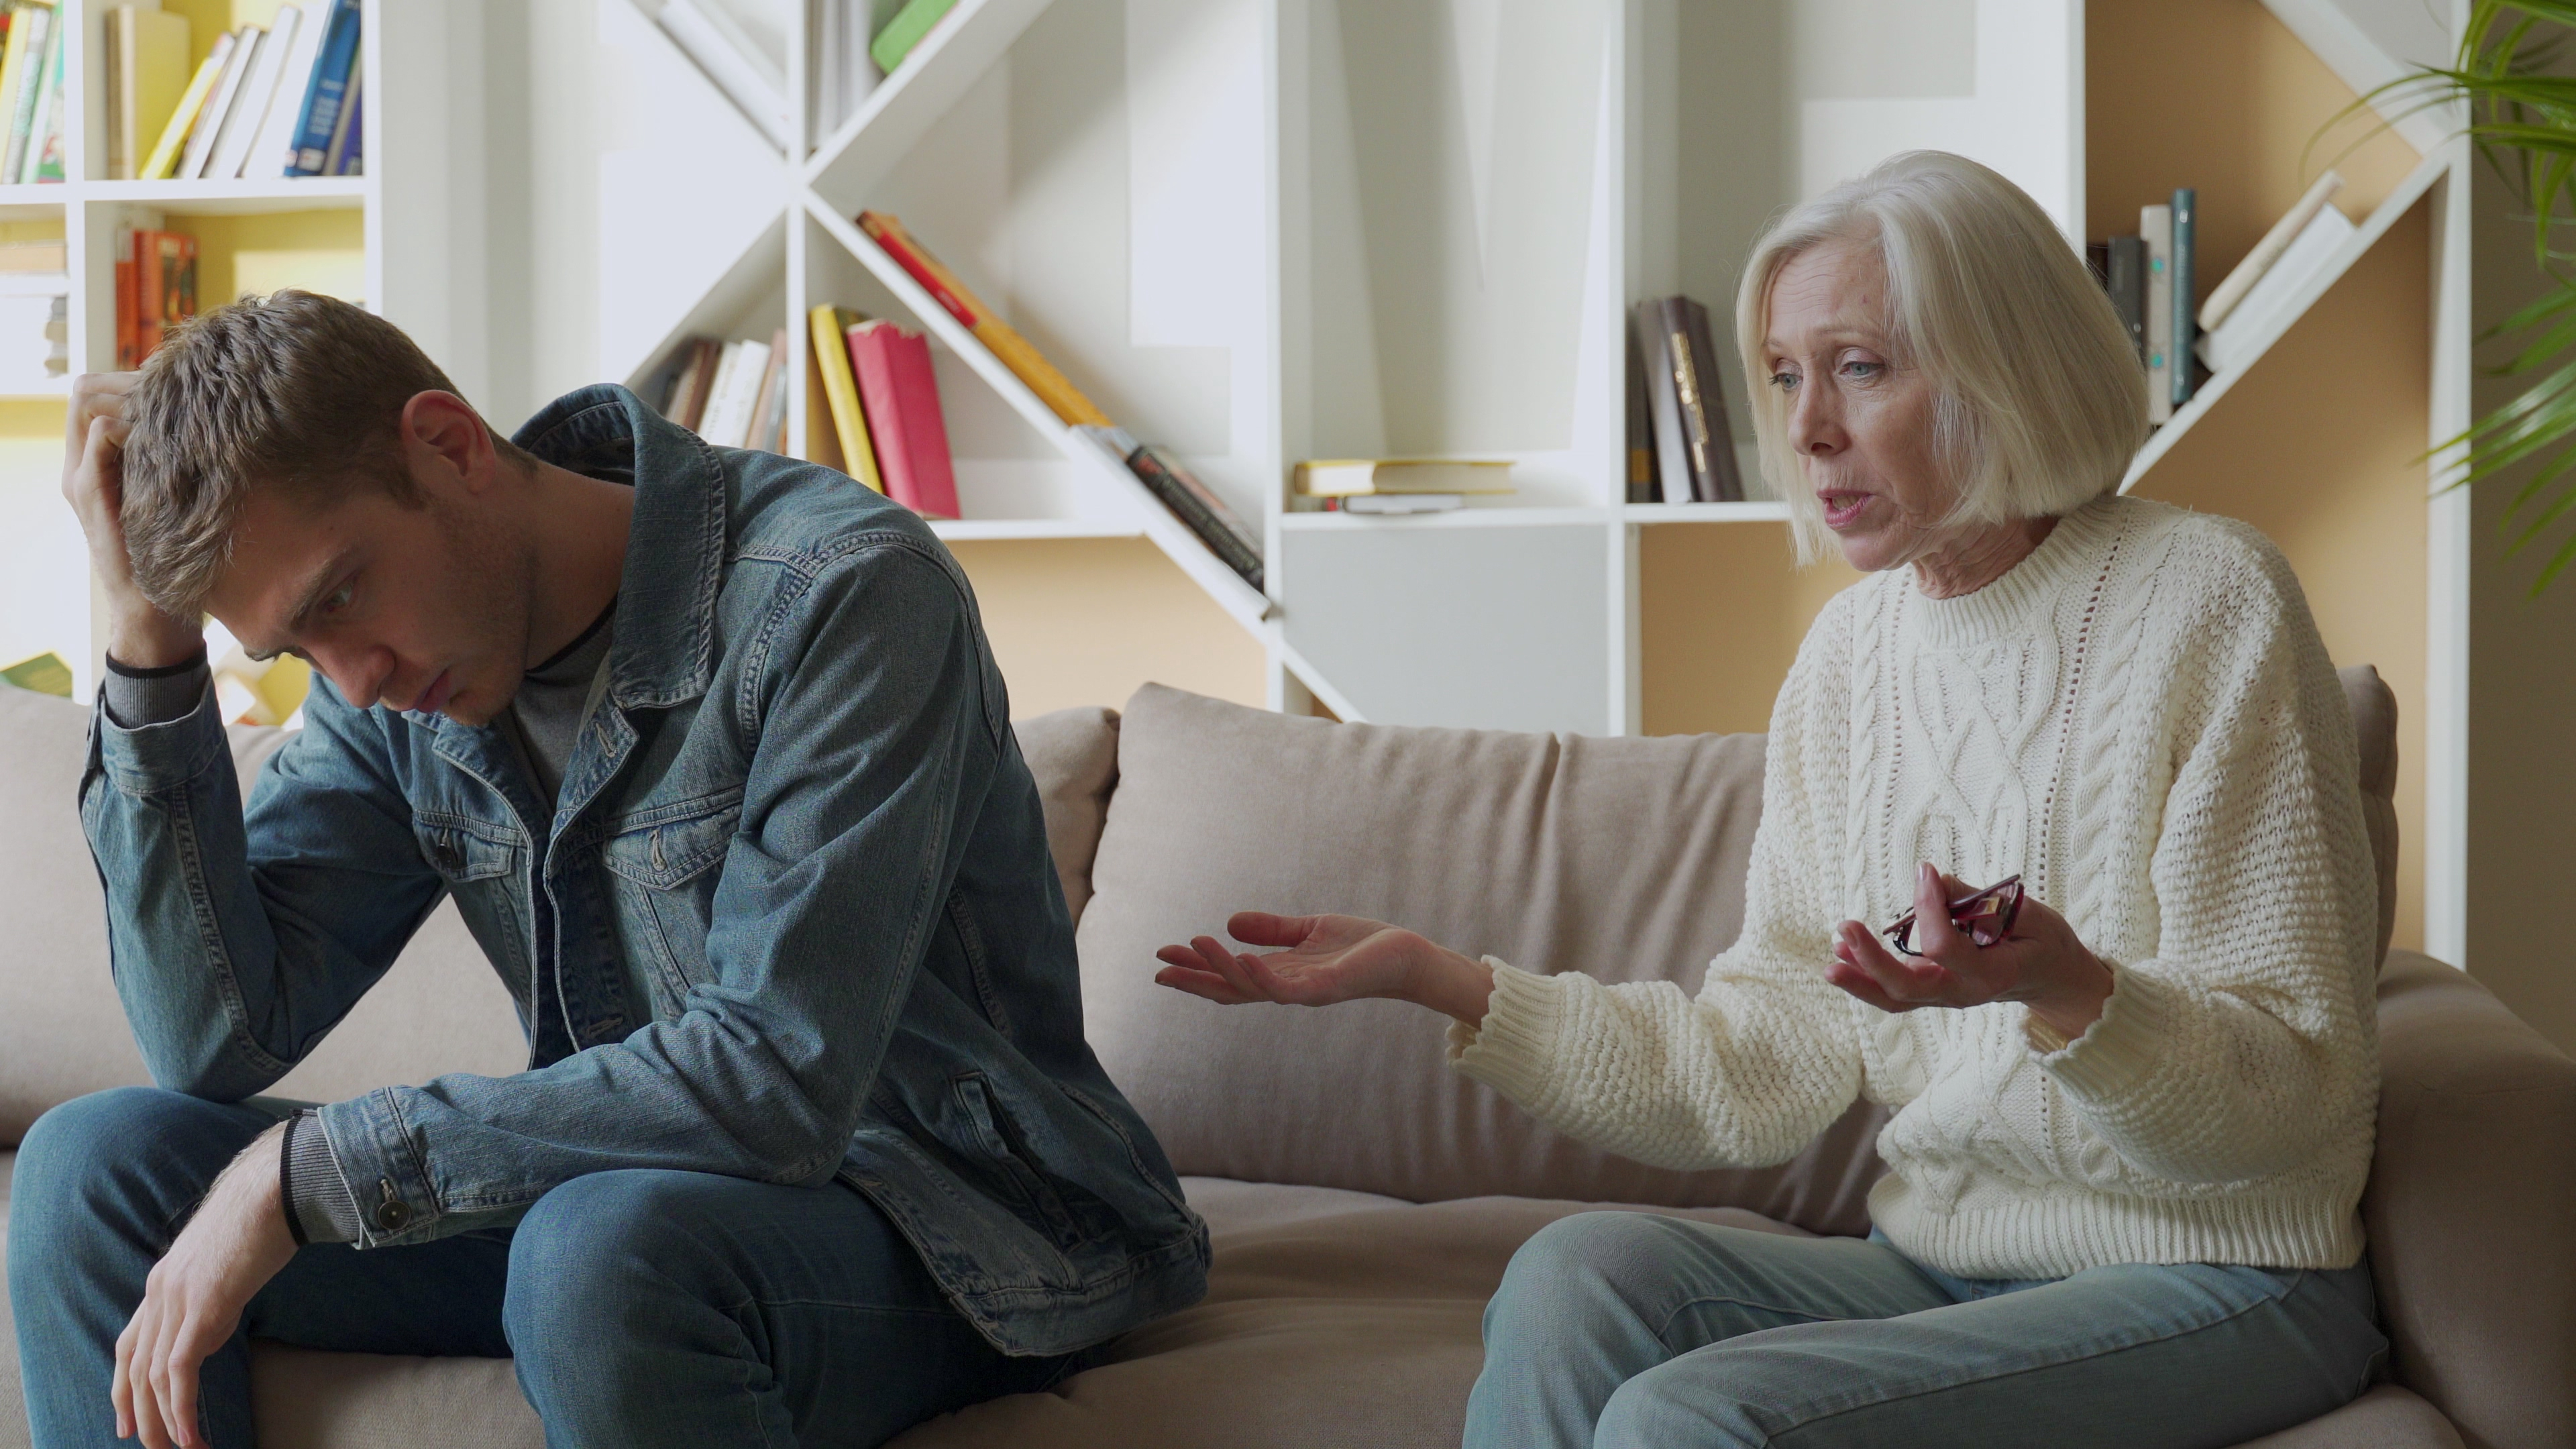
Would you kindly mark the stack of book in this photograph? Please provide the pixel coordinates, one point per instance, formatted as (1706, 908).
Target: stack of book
(1197, 506)
(1680, 448)
(2254, 295)
(35, 292)
(2150, 278)
(156, 290)
(883, 405)
(1399, 485)
(31, 93)
(264, 103)
(733, 394)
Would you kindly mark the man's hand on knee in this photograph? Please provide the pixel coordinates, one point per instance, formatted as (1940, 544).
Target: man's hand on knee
(236, 1242)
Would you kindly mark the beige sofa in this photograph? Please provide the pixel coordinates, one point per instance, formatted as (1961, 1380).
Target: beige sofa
(1364, 1200)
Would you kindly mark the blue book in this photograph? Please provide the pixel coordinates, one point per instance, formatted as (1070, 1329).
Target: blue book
(2186, 305)
(328, 89)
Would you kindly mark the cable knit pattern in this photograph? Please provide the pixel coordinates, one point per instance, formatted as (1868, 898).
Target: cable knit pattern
(2139, 719)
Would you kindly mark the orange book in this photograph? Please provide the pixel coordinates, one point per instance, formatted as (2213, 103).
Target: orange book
(128, 315)
(1052, 388)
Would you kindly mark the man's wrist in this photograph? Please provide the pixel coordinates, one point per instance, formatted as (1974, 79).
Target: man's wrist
(142, 637)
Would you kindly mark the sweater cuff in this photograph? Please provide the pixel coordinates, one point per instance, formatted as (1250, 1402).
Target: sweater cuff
(317, 1194)
(2121, 1045)
(140, 697)
(1513, 1051)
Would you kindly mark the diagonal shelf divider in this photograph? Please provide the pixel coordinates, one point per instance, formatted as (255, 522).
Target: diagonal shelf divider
(896, 115)
(2408, 192)
(1093, 464)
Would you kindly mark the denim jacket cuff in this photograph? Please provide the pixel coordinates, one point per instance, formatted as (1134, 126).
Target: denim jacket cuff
(377, 1159)
(157, 756)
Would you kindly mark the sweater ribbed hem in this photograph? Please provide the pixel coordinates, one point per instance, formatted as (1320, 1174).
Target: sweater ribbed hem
(2121, 1045)
(1513, 1051)
(2057, 1236)
(2072, 550)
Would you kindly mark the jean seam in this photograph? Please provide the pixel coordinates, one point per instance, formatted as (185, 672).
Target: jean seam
(1664, 1333)
(2093, 1353)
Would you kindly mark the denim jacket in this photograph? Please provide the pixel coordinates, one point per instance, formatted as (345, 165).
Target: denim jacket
(799, 810)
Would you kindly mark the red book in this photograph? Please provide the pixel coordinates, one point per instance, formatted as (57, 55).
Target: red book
(901, 398)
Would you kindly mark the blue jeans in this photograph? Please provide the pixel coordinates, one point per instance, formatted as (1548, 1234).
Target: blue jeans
(644, 1307)
(1627, 1329)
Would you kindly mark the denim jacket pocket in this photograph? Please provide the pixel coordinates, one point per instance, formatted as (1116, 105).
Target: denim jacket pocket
(1003, 1146)
(665, 862)
(462, 851)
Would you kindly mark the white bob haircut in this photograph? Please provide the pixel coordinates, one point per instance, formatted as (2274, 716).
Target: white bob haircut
(2042, 398)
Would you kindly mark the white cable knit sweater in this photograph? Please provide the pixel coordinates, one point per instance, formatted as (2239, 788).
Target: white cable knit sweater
(2140, 719)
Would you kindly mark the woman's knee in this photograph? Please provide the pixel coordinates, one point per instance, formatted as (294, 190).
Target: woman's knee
(1580, 1271)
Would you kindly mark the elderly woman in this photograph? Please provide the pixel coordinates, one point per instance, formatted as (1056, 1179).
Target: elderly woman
(2133, 1117)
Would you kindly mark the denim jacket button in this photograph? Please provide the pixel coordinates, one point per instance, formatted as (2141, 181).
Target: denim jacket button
(392, 1213)
(449, 859)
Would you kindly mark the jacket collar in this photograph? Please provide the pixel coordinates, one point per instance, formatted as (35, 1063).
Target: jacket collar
(675, 548)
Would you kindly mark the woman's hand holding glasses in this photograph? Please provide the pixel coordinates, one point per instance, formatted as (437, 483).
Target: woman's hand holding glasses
(2032, 956)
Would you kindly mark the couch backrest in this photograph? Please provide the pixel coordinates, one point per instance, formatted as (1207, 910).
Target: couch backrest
(1623, 858)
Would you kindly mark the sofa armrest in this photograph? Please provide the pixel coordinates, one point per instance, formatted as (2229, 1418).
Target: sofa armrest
(2471, 1206)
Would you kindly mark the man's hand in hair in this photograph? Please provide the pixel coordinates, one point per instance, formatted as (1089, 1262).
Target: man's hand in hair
(94, 484)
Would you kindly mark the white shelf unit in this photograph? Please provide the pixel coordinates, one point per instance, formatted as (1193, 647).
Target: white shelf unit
(403, 260)
(1343, 228)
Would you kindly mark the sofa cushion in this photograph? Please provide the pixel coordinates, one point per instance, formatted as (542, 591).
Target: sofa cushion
(2374, 730)
(1073, 753)
(1621, 857)
(1358, 1329)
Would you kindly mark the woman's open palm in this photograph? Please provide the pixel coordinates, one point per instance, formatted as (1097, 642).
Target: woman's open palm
(1329, 959)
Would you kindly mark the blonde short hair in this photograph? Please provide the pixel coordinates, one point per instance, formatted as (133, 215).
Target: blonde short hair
(2042, 396)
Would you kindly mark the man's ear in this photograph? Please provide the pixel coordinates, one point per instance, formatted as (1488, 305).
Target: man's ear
(444, 438)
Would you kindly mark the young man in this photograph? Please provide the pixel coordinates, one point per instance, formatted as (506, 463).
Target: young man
(710, 749)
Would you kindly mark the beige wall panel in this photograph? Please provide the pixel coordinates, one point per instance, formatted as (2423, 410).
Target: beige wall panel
(1721, 610)
(1087, 620)
(2256, 100)
(2320, 445)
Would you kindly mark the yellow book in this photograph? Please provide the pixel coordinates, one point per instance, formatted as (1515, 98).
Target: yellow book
(849, 419)
(151, 58)
(164, 159)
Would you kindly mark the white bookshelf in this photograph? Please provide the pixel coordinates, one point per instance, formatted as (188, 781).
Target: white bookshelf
(389, 238)
(1340, 228)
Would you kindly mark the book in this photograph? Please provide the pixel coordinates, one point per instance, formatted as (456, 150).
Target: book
(2155, 229)
(271, 150)
(348, 148)
(1641, 423)
(892, 364)
(34, 256)
(849, 418)
(46, 673)
(1401, 503)
(147, 75)
(258, 92)
(769, 408)
(729, 406)
(2316, 244)
(2126, 281)
(687, 400)
(121, 247)
(30, 27)
(2186, 301)
(1708, 443)
(1663, 405)
(210, 118)
(739, 68)
(44, 148)
(2230, 293)
(904, 33)
(163, 161)
(1061, 396)
(1199, 508)
(165, 287)
(1346, 477)
(328, 105)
